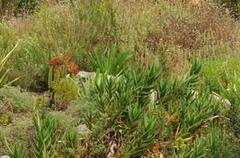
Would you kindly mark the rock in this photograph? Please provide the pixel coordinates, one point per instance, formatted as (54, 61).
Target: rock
(5, 156)
(83, 130)
(153, 96)
(225, 102)
(216, 97)
(85, 75)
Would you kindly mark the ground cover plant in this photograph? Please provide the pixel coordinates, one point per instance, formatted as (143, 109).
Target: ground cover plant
(119, 79)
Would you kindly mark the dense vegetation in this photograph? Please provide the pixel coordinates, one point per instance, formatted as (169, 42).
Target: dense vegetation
(116, 78)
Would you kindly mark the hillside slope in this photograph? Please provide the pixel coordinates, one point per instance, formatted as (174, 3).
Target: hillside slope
(119, 78)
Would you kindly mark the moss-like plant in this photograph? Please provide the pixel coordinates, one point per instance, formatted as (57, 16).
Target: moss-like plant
(65, 90)
(5, 119)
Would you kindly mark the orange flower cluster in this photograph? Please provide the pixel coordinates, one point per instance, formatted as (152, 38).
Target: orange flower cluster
(73, 68)
(56, 62)
(66, 60)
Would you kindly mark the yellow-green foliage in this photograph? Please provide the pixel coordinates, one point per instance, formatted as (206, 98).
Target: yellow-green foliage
(4, 119)
(66, 90)
(7, 38)
(39, 103)
(220, 72)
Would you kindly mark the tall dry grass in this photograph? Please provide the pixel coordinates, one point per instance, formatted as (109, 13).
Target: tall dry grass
(180, 28)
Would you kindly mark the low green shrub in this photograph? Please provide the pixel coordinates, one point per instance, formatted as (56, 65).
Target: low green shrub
(65, 91)
(15, 100)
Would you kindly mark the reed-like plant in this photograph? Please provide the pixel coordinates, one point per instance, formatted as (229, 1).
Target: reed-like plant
(17, 151)
(46, 137)
(4, 71)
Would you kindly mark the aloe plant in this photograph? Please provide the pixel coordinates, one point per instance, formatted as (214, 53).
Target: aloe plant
(46, 135)
(112, 61)
(17, 152)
